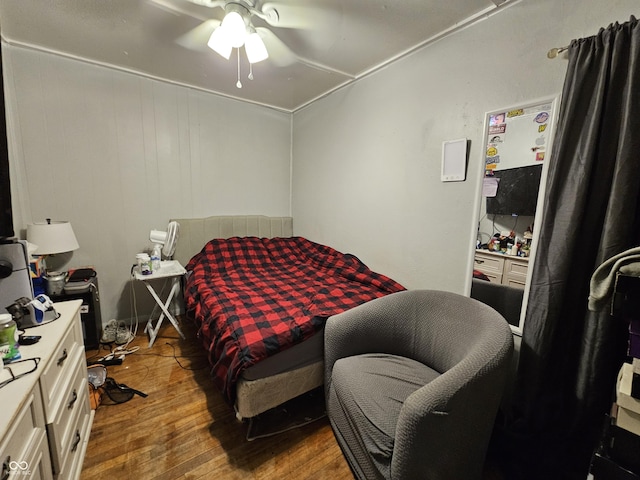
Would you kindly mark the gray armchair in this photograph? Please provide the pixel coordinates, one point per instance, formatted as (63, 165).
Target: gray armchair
(413, 381)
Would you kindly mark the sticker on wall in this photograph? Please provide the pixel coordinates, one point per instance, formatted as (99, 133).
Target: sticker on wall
(497, 119)
(492, 151)
(539, 156)
(515, 113)
(495, 129)
(542, 117)
(495, 139)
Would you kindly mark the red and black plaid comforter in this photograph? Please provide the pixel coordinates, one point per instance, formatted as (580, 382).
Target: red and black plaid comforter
(253, 297)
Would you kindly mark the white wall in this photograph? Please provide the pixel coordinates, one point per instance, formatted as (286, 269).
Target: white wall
(118, 154)
(367, 158)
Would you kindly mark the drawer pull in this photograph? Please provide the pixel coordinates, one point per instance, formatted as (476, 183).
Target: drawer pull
(74, 397)
(479, 262)
(63, 357)
(76, 441)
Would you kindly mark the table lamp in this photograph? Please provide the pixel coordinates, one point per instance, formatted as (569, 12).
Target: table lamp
(52, 237)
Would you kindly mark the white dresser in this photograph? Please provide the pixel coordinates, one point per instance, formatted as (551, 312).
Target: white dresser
(501, 268)
(45, 416)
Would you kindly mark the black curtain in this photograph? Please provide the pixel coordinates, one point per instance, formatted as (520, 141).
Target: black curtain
(570, 356)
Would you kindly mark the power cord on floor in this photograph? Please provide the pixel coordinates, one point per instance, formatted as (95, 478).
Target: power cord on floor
(115, 357)
(99, 354)
(119, 352)
(176, 357)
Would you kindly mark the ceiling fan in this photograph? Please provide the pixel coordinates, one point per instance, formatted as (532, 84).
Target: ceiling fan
(237, 30)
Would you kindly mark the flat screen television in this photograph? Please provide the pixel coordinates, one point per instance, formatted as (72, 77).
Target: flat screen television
(6, 214)
(517, 191)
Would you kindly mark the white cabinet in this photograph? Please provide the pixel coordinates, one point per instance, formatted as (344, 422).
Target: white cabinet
(45, 418)
(501, 268)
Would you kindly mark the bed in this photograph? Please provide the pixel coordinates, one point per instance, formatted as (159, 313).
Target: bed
(261, 364)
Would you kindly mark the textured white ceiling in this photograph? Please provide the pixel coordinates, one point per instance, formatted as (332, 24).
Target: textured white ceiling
(333, 43)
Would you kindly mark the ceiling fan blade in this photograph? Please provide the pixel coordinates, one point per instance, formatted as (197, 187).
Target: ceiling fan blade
(279, 53)
(175, 9)
(197, 38)
(303, 17)
(210, 3)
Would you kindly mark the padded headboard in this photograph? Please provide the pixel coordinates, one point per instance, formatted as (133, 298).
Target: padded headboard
(195, 232)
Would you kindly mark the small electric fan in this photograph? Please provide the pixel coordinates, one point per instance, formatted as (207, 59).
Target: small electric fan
(167, 239)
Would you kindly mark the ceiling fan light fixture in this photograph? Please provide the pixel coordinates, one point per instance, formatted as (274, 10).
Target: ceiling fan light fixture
(219, 42)
(255, 48)
(235, 28)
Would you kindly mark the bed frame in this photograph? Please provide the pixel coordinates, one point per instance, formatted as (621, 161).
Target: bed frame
(258, 395)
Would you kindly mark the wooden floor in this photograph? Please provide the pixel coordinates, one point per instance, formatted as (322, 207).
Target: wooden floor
(185, 430)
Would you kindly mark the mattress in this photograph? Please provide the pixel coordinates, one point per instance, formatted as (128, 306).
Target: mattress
(300, 355)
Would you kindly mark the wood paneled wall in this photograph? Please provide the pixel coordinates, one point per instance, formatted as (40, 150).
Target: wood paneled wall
(118, 154)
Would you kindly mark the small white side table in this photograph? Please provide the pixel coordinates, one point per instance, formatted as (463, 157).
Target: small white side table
(169, 269)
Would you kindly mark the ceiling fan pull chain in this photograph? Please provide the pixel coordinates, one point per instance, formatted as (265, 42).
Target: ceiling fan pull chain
(250, 76)
(239, 84)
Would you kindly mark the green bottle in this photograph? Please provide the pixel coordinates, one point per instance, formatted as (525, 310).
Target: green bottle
(9, 347)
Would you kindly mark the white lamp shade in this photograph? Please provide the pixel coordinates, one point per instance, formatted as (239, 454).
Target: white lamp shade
(255, 48)
(220, 43)
(51, 238)
(234, 28)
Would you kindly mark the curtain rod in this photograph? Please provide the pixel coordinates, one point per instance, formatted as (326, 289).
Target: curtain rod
(553, 53)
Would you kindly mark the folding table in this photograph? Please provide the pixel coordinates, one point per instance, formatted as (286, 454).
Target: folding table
(169, 269)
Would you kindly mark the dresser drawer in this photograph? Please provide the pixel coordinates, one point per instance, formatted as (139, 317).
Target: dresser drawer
(56, 375)
(75, 397)
(37, 461)
(18, 448)
(488, 263)
(514, 268)
(493, 277)
(516, 282)
(74, 449)
(515, 273)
